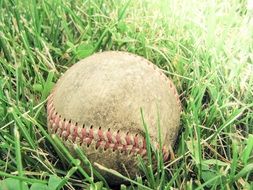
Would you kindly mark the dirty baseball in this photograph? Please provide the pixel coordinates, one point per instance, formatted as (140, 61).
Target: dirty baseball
(96, 104)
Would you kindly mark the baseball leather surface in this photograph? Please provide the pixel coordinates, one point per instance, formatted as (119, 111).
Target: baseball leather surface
(96, 104)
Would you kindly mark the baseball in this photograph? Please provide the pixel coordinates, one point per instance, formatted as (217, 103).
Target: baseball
(96, 104)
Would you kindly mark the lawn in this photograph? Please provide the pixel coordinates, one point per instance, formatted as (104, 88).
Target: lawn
(204, 47)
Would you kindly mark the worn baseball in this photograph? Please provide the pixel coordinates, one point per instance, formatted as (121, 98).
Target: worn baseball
(96, 104)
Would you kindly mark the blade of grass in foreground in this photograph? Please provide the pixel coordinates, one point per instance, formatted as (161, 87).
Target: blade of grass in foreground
(149, 173)
(159, 155)
(234, 163)
(66, 178)
(248, 149)
(18, 156)
(21, 126)
(85, 161)
(71, 159)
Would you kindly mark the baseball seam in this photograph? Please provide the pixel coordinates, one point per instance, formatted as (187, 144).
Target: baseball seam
(105, 139)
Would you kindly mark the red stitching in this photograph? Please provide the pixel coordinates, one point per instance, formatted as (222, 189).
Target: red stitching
(66, 129)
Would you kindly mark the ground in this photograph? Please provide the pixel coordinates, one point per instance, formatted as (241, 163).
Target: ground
(205, 47)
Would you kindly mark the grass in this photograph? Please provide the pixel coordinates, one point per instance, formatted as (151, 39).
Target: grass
(205, 47)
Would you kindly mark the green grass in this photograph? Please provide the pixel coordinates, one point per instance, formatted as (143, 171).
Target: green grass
(205, 47)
